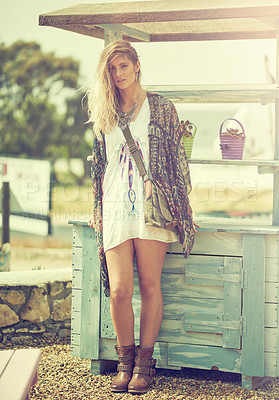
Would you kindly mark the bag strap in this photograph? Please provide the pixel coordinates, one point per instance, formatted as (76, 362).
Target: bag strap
(135, 152)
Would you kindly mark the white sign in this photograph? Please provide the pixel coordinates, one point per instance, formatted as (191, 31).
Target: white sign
(29, 193)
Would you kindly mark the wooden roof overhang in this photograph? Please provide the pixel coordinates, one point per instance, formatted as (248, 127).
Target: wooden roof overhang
(171, 20)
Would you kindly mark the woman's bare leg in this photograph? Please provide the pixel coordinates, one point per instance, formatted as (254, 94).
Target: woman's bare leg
(150, 259)
(120, 269)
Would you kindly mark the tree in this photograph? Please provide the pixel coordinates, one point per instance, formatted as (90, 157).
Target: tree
(41, 113)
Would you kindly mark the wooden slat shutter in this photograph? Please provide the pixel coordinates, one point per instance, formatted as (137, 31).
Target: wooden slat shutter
(226, 272)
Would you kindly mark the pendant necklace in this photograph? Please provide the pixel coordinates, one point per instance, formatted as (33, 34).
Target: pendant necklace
(124, 118)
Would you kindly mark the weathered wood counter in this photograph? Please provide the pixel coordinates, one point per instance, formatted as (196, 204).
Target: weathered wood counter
(220, 304)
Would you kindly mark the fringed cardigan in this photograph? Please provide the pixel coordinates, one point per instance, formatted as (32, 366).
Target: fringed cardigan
(168, 167)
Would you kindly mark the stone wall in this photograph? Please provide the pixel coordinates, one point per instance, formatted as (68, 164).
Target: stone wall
(35, 303)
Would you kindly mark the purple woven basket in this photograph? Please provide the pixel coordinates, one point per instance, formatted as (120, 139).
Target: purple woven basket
(232, 144)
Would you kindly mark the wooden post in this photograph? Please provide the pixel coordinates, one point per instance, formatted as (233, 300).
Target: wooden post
(275, 216)
(5, 212)
(254, 247)
(90, 296)
(111, 36)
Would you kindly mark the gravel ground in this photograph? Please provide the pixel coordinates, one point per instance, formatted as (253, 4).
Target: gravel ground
(62, 376)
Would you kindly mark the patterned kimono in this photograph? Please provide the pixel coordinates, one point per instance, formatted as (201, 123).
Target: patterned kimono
(168, 167)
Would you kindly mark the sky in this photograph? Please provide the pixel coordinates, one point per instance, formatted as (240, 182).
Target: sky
(222, 62)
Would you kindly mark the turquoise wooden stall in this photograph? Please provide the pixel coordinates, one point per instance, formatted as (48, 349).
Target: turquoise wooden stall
(220, 304)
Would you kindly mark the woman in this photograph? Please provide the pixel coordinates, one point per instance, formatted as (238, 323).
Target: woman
(119, 193)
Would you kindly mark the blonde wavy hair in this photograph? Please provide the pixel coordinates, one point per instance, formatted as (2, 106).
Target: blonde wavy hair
(103, 98)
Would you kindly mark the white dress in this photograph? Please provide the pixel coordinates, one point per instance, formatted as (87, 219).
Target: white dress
(123, 188)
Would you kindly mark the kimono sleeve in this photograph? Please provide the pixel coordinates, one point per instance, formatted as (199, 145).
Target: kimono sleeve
(97, 174)
(181, 158)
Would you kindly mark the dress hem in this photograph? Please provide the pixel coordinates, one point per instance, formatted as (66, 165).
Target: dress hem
(144, 238)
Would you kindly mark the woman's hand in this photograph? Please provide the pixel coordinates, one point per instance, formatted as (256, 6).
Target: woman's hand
(148, 188)
(91, 223)
(195, 226)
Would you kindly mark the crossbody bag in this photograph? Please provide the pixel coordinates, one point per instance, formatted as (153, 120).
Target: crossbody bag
(156, 208)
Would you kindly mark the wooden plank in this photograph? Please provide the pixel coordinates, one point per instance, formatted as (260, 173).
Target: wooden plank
(214, 223)
(232, 303)
(176, 308)
(76, 300)
(178, 269)
(174, 331)
(107, 352)
(90, 296)
(213, 276)
(5, 356)
(235, 225)
(172, 327)
(270, 340)
(190, 37)
(175, 285)
(197, 22)
(77, 223)
(173, 324)
(76, 279)
(156, 11)
(262, 169)
(76, 288)
(76, 258)
(96, 32)
(213, 323)
(75, 322)
(247, 163)
(175, 264)
(205, 27)
(127, 31)
(161, 354)
(75, 343)
(87, 30)
(192, 323)
(22, 370)
(271, 292)
(270, 364)
(77, 235)
(204, 322)
(272, 246)
(110, 36)
(217, 93)
(253, 305)
(75, 350)
(204, 357)
(270, 317)
(213, 243)
(271, 269)
(201, 275)
(107, 328)
(275, 213)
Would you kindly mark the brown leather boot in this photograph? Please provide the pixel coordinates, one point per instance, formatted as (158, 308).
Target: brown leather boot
(126, 356)
(144, 371)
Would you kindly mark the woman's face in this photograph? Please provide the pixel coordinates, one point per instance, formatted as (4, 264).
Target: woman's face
(123, 71)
